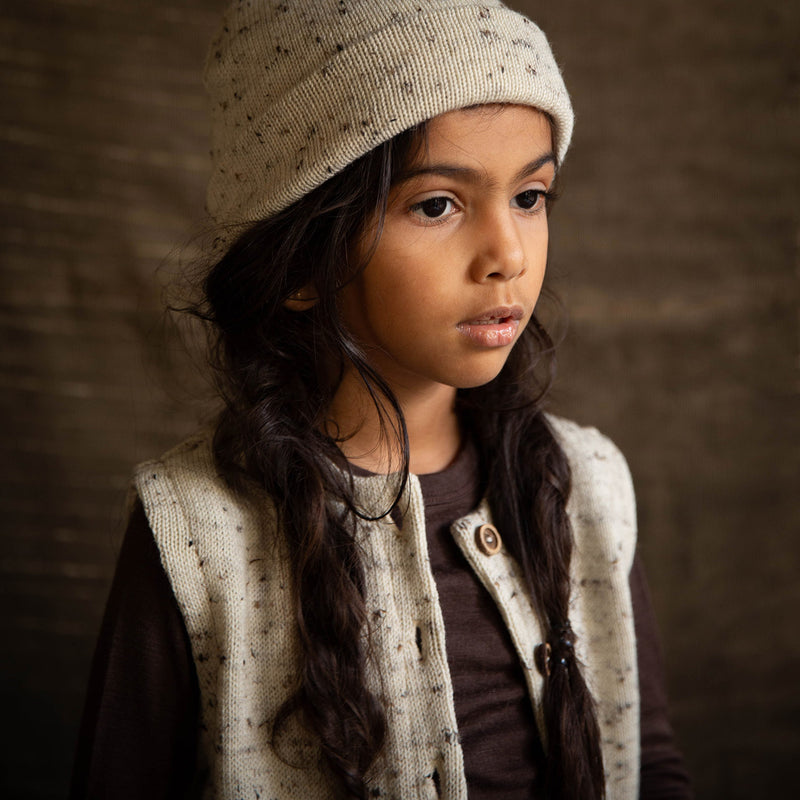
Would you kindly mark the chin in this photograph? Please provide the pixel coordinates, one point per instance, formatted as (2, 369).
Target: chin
(477, 378)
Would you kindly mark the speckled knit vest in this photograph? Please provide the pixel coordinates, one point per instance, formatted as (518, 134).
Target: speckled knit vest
(228, 567)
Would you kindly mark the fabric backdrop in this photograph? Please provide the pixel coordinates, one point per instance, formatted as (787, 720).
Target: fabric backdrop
(674, 249)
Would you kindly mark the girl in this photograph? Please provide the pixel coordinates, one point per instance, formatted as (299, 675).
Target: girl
(384, 571)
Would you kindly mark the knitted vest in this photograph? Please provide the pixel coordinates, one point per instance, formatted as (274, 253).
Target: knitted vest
(229, 569)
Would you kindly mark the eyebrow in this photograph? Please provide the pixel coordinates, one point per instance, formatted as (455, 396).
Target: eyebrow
(473, 175)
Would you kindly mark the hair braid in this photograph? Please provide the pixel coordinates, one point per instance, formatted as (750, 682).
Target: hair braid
(278, 371)
(528, 487)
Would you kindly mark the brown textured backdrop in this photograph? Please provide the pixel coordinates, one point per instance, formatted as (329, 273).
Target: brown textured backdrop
(675, 249)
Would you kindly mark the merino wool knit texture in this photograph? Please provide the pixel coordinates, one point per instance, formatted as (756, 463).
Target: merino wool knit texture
(229, 569)
(302, 88)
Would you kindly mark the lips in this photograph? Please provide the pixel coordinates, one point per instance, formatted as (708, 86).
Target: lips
(496, 315)
(496, 327)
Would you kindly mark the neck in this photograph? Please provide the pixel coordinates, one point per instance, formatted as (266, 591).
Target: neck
(433, 433)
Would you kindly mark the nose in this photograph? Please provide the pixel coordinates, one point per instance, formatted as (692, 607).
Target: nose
(499, 248)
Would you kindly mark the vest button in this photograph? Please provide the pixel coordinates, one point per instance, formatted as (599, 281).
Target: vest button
(488, 540)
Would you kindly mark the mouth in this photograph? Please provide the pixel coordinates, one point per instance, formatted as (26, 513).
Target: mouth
(496, 327)
(496, 316)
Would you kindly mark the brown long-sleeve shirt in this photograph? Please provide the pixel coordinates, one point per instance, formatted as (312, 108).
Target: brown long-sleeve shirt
(138, 737)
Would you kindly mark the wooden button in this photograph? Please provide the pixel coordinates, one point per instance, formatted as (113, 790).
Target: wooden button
(488, 540)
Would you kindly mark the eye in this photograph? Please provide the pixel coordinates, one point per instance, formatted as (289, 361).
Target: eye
(531, 199)
(434, 207)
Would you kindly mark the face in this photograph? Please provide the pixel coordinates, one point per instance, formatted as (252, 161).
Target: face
(459, 265)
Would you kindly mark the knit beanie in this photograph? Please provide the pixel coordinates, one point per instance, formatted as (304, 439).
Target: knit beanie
(300, 89)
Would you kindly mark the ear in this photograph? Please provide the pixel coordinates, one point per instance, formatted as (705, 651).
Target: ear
(302, 299)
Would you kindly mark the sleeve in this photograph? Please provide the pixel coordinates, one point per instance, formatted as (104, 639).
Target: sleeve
(139, 730)
(663, 771)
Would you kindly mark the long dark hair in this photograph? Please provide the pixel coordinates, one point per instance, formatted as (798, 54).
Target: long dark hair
(278, 370)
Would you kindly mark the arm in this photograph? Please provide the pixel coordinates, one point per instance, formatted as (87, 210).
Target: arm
(139, 730)
(663, 771)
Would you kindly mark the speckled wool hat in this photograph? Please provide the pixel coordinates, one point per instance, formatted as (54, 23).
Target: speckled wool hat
(300, 89)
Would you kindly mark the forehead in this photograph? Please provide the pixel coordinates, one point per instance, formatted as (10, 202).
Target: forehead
(487, 120)
(489, 139)
(486, 130)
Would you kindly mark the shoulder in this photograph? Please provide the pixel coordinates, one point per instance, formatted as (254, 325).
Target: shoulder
(186, 475)
(584, 445)
(184, 489)
(197, 518)
(602, 493)
(591, 455)
(191, 460)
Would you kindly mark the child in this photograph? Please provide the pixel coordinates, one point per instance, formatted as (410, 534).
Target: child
(384, 571)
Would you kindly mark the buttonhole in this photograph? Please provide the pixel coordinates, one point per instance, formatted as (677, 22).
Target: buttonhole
(418, 639)
(437, 782)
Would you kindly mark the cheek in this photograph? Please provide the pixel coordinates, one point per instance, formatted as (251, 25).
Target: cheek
(398, 283)
(539, 241)
(536, 258)
(378, 303)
